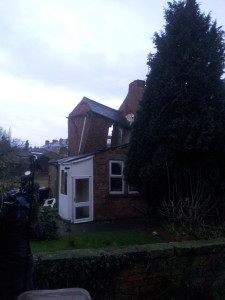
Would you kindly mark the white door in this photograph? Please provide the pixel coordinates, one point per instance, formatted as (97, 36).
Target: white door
(82, 200)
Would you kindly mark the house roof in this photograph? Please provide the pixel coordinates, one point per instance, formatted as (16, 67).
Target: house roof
(107, 112)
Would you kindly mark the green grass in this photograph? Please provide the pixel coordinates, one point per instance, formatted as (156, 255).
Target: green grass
(94, 241)
(42, 180)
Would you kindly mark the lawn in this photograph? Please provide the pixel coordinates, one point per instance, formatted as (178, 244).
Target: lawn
(42, 180)
(94, 240)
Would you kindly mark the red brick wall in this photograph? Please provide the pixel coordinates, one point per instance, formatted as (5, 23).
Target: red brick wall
(75, 126)
(163, 271)
(110, 206)
(95, 131)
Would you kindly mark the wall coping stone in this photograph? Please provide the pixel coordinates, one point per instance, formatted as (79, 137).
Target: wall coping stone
(157, 250)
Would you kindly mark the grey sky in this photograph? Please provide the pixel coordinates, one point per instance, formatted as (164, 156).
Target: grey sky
(54, 52)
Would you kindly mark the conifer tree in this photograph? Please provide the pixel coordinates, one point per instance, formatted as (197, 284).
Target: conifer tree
(181, 122)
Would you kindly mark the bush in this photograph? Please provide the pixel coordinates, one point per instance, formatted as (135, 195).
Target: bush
(48, 220)
(192, 208)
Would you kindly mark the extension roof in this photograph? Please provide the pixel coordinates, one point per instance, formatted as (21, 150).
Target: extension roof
(70, 159)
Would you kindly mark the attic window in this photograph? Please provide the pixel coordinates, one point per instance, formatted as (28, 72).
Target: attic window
(109, 137)
(130, 118)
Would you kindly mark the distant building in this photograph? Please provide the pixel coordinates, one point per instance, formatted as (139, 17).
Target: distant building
(58, 146)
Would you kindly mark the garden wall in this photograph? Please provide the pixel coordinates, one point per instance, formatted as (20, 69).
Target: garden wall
(176, 270)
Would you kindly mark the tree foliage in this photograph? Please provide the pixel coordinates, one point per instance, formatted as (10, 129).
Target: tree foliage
(11, 164)
(180, 126)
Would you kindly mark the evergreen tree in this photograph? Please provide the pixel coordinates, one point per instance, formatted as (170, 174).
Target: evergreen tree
(180, 126)
(26, 146)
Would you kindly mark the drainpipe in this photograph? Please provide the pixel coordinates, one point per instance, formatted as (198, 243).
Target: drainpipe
(82, 134)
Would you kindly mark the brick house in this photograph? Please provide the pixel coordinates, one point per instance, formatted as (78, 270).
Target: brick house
(91, 185)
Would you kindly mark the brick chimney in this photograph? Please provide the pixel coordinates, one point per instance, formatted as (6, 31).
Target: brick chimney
(130, 104)
(129, 109)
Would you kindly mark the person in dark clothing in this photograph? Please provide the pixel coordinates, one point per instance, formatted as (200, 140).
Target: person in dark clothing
(18, 220)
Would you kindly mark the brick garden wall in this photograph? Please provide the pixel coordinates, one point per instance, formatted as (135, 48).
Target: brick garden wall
(178, 270)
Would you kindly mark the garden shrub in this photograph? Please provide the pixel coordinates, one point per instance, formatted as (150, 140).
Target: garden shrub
(48, 223)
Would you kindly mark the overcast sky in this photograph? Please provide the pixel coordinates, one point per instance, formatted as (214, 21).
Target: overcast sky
(54, 52)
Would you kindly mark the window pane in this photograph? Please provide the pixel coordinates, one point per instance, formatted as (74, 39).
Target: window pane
(116, 169)
(116, 184)
(82, 190)
(63, 182)
(82, 212)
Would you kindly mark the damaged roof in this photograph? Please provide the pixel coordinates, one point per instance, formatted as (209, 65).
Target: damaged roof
(107, 112)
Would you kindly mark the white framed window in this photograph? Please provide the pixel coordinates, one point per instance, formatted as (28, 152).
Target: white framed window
(116, 182)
